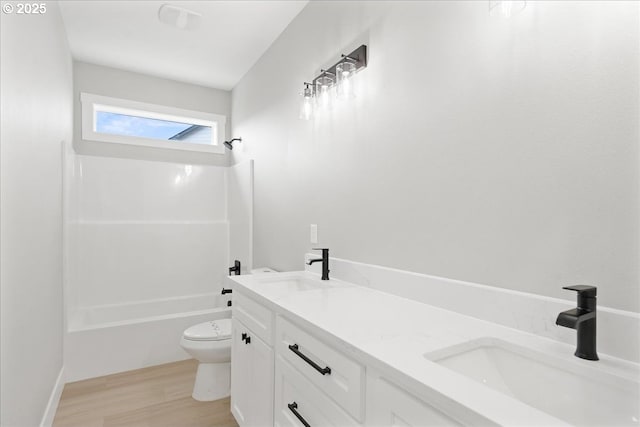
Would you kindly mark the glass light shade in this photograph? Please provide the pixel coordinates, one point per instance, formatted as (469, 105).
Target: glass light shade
(344, 73)
(306, 104)
(324, 87)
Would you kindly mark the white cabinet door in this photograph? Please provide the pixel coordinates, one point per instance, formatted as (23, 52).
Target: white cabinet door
(251, 378)
(388, 405)
(260, 383)
(239, 374)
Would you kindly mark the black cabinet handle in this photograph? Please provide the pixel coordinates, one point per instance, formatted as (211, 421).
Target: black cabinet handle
(244, 336)
(323, 371)
(293, 406)
(247, 340)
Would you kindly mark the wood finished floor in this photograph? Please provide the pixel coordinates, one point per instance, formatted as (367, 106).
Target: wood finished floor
(159, 396)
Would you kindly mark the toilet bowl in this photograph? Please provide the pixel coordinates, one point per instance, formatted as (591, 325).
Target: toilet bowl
(210, 344)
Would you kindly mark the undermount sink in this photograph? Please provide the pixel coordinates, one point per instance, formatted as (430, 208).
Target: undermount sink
(569, 391)
(294, 282)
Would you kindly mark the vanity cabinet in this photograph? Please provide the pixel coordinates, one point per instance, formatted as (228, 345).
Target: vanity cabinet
(283, 374)
(252, 366)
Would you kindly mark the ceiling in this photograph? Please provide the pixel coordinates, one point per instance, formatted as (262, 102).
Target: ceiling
(229, 39)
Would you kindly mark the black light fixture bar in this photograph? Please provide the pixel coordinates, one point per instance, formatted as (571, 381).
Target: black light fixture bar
(358, 56)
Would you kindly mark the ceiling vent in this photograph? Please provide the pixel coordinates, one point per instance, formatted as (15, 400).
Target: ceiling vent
(179, 17)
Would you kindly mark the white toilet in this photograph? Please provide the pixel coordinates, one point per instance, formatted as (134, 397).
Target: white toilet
(210, 344)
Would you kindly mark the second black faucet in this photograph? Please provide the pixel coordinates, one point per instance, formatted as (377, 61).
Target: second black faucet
(583, 320)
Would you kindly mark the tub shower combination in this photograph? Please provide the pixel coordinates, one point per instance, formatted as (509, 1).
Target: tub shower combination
(148, 246)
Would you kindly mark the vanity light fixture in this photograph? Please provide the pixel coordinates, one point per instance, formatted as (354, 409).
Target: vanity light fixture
(335, 81)
(507, 8)
(229, 144)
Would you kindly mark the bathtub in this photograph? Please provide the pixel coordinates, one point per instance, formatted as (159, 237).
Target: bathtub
(107, 339)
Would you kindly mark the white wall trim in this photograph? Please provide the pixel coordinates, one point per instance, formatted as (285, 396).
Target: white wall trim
(54, 399)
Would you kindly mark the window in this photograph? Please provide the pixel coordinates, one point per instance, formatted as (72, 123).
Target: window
(122, 121)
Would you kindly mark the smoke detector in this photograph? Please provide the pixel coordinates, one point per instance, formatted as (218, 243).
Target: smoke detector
(179, 17)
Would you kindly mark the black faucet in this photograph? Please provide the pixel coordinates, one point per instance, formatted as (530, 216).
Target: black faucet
(583, 320)
(324, 260)
(235, 269)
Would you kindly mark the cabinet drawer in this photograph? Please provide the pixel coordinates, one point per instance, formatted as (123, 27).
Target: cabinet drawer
(331, 371)
(293, 392)
(255, 316)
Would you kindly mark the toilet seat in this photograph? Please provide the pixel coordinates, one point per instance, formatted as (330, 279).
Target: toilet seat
(216, 330)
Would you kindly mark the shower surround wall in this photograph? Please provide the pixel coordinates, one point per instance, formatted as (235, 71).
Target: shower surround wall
(145, 230)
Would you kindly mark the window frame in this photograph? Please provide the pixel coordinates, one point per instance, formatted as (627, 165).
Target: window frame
(89, 102)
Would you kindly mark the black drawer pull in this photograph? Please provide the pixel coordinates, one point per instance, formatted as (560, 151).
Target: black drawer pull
(244, 336)
(292, 407)
(323, 371)
(247, 340)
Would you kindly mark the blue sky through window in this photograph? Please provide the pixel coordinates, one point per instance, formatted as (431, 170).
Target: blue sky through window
(122, 124)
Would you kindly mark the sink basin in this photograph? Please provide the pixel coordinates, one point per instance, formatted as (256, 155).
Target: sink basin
(294, 282)
(567, 390)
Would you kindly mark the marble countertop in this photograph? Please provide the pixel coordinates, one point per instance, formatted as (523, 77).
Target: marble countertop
(392, 335)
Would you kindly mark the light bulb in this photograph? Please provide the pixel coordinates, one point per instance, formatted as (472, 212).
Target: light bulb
(306, 107)
(324, 86)
(324, 96)
(345, 71)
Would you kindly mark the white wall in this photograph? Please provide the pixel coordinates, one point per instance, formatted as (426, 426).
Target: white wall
(492, 150)
(142, 230)
(36, 84)
(117, 83)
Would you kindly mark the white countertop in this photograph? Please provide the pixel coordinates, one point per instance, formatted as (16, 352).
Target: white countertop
(392, 334)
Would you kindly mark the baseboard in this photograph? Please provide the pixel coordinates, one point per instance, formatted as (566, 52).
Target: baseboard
(54, 399)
